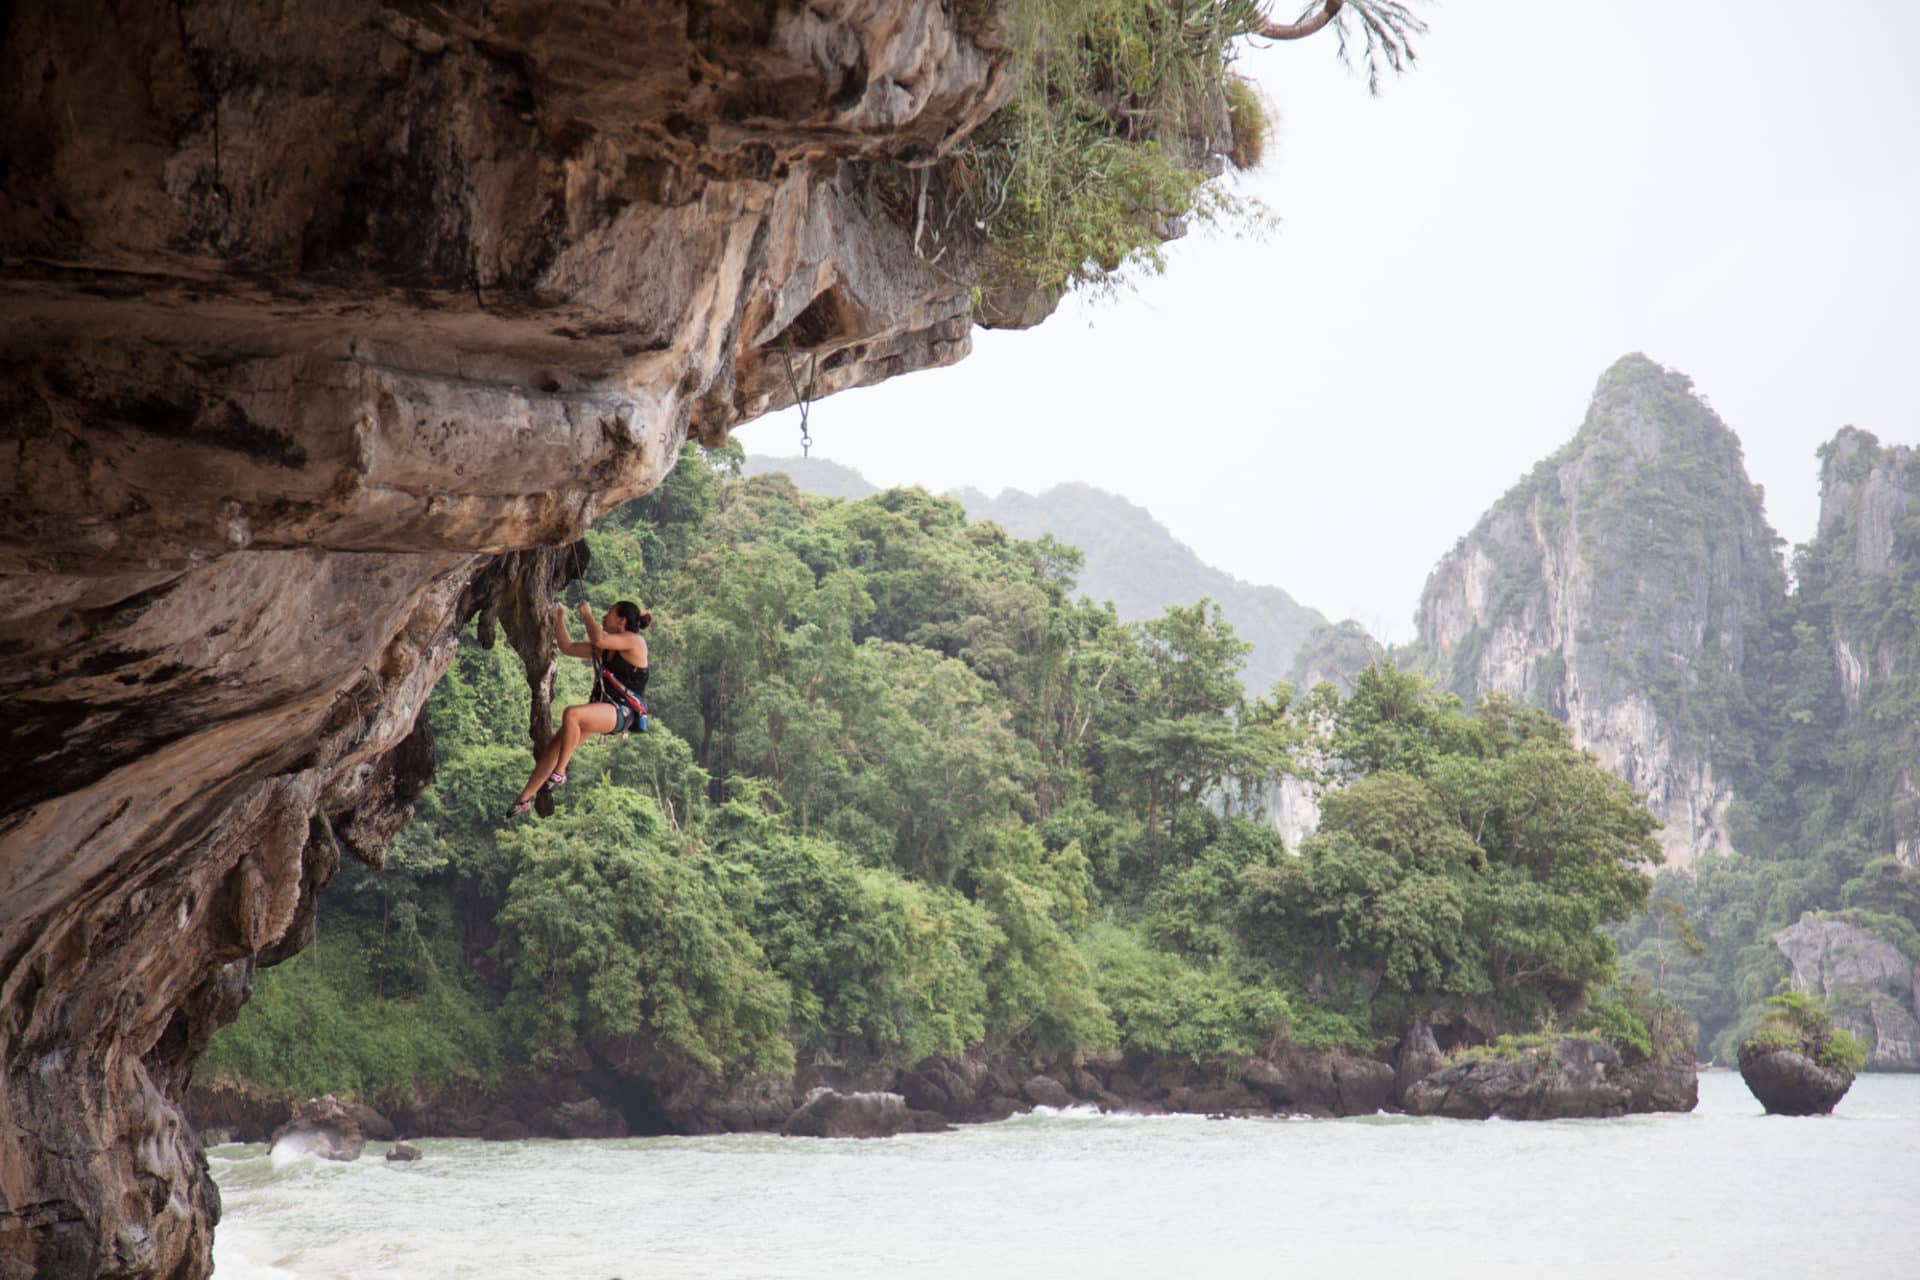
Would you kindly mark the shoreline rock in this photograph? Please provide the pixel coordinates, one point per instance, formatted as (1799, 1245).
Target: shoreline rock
(1792, 1084)
(655, 1094)
(1797, 1062)
(828, 1113)
(323, 1127)
(1572, 1077)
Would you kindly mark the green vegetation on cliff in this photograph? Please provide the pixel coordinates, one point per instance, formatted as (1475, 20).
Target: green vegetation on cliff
(1119, 107)
(1821, 732)
(1122, 116)
(905, 796)
(325, 1024)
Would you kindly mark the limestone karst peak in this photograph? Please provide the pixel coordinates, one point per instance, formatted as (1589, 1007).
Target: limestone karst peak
(1613, 580)
(1653, 410)
(1868, 492)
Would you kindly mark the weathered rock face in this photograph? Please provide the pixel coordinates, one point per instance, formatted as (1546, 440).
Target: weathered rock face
(1868, 984)
(664, 1092)
(1417, 1057)
(1613, 586)
(1667, 1081)
(1868, 491)
(1570, 1078)
(1575, 1076)
(321, 328)
(1322, 1082)
(1792, 1084)
(1870, 539)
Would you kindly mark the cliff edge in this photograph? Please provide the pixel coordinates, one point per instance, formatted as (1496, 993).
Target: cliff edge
(324, 329)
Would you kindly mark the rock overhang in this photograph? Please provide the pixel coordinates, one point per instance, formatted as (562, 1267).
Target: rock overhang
(322, 331)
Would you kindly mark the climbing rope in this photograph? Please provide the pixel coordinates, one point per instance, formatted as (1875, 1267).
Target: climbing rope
(804, 401)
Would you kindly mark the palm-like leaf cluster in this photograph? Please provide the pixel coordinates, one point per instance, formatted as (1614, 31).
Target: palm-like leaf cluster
(1380, 31)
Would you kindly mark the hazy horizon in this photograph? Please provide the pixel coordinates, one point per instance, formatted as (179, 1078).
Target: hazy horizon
(992, 495)
(1457, 261)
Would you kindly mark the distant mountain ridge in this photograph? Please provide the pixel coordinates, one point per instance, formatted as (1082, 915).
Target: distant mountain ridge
(815, 475)
(1131, 558)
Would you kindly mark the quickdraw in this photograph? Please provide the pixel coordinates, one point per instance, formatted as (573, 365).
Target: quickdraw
(802, 399)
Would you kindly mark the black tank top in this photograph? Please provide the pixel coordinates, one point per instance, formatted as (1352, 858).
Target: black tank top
(632, 678)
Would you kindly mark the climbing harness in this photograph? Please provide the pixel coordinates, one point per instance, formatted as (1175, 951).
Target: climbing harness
(607, 684)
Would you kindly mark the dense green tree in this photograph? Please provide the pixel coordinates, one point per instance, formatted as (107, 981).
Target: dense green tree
(1473, 859)
(1176, 729)
(605, 933)
(880, 968)
(904, 795)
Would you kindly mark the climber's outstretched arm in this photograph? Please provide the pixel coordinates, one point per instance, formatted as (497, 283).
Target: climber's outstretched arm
(565, 643)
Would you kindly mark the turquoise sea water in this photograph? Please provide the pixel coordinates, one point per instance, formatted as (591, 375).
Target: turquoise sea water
(1721, 1191)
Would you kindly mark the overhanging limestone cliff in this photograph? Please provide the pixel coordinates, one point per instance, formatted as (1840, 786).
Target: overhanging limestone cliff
(322, 330)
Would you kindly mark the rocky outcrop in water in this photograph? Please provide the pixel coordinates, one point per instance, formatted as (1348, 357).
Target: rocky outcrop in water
(828, 1113)
(1797, 1061)
(322, 1127)
(1667, 1080)
(1792, 1084)
(1870, 987)
(1571, 1076)
(323, 329)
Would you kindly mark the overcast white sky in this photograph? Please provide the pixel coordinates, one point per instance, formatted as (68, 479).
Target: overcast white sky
(1731, 186)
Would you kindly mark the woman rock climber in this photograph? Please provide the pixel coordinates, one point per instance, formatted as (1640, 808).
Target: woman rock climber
(619, 655)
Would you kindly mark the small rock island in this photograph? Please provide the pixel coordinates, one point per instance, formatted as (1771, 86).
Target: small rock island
(1796, 1061)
